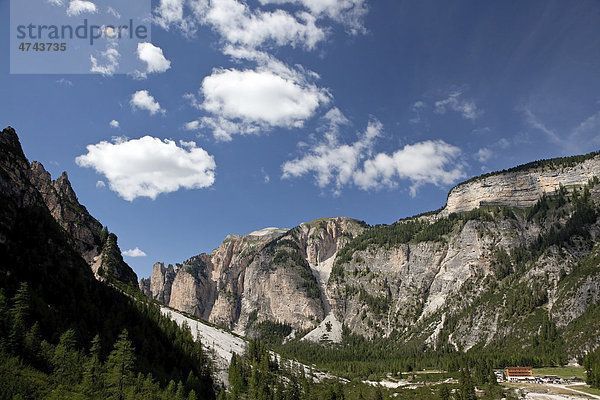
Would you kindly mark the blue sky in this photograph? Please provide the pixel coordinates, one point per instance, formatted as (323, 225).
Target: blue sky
(243, 115)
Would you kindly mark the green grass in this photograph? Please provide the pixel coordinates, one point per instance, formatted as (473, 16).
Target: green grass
(561, 372)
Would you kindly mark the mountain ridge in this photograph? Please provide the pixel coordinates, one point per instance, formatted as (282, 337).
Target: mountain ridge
(421, 271)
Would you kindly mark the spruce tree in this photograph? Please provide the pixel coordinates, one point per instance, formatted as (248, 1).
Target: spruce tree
(67, 360)
(19, 314)
(119, 367)
(92, 374)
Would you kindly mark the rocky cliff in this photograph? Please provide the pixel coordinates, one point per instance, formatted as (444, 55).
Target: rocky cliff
(523, 186)
(508, 252)
(31, 185)
(265, 276)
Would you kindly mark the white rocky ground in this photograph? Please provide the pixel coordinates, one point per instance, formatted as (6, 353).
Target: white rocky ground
(221, 344)
(330, 329)
(268, 231)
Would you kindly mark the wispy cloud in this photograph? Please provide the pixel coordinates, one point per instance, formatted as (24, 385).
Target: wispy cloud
(77, 7)
(336, 164)
(573, 140)
(455, 102)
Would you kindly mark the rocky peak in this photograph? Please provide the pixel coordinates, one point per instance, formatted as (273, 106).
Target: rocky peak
(110, 263)
(72, 216)
(30, 185)
(322, 238)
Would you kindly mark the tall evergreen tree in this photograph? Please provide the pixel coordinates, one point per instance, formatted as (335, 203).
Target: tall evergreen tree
(119, 367)
(19, 313)
(92, 374)
(67, 360)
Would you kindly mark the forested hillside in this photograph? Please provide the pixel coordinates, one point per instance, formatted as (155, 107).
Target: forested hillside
(64, 334)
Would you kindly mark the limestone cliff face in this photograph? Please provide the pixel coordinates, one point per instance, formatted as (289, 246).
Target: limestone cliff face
(263, 276)
(158, 286)
(61, 200)
(478, 272)
(519, 188)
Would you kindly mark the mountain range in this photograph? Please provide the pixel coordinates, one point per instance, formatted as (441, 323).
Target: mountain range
(510, 252)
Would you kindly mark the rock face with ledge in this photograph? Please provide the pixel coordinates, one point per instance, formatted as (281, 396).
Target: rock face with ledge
(519, 188)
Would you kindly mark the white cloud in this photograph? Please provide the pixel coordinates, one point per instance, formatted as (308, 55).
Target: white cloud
(191, 126)
(239, 25)
(153, 57)
(114, 123)
(347, 12)
(169, 12)
(417, 109)
(111, 61)
(100, 184)
(134, 253)
(483, 154)
(113, 12)
(77, 7)
(148, 166)
(333, 163)
(246, 101)
(503, 143)
(454, 102)
(64, 82)
(55, 2)
(144, 101)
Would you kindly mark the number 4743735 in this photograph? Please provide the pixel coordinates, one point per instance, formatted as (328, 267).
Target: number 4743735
(39, 46)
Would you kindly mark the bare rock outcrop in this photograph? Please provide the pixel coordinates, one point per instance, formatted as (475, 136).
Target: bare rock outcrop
(521, 188)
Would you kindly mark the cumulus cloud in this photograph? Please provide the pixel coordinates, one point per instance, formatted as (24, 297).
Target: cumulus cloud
(455, 102)
(238, 25)
(339, 165)
(192, 126)
(144, 101)
(100, 184)
(148, 166)
(134, 253)
(244, 101)
(114, 123)
(77, 7)
(109, 63)
(347, 12)
(153, 57)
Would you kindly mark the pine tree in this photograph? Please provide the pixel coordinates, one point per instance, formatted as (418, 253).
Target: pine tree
(92, 374)
(67, 359)
(119, 367)
(19, 314)
(180, 393)
(33, 340)
(467, 389)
